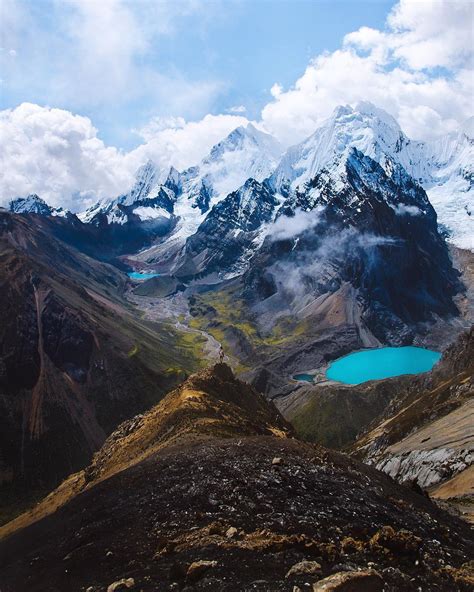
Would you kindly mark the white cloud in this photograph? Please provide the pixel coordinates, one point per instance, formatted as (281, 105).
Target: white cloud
(173, 141)
(406, 210)
(432, 33)
(237, 109)
(59, 156)
(97, 57)
(96, 54)
(392, 69)
(286, 227)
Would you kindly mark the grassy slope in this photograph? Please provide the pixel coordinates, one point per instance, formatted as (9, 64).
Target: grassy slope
(224, 314)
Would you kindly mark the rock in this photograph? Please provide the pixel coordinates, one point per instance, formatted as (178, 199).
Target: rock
(198, 568)
(401, 542)
(352, 581)
(231, 532)
(123, 584)
(304, 568)
(276, 461)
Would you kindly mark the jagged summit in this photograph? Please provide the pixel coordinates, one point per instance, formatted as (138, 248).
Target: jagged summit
(187, 196)
(32, 204)
(245, 138)
(147, 184)
(179, 201)
(442, 166)
(146, 180)
(371, 130)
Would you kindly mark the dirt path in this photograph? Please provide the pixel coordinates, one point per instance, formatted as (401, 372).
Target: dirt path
(174, 309)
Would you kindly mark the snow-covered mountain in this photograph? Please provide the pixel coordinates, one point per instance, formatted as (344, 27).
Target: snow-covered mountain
(187, 196)
(450, 183)
(177, 203)
(148, 198)
(372, 131)
(33, 204)
(443, 167)
(245, 153)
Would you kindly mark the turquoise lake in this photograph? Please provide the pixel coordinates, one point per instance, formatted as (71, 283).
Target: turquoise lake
(304, 377)
(375, 364)
(136, 275)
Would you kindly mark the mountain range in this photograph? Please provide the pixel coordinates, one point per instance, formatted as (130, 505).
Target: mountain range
(178, 202)
(273, 262)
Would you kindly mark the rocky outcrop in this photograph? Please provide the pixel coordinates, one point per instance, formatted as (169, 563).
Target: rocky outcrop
(212, 403)
(425, 435)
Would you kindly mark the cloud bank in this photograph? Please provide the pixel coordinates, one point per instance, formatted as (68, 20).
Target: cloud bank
(419, 70)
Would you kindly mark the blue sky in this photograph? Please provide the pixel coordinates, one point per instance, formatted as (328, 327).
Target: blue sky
(240, 47)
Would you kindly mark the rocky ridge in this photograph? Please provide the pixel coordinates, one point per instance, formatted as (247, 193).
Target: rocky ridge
(235, 511)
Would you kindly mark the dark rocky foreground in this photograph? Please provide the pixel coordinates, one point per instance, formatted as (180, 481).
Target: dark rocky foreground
(237, 514)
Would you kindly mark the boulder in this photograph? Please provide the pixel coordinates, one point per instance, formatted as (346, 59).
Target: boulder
(198, 568)
(304, 568)
(351, 581)
(120, 585)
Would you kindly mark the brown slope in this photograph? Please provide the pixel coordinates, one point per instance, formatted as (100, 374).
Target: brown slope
(74, 359)
(427, 432)
(211, 404)
(196, 485)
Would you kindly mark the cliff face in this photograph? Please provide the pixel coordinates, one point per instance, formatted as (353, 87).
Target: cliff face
(74, 360)
(426, 433)
(207, 490)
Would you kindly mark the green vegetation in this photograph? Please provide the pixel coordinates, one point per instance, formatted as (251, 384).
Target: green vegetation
(225, 315)
(133, 351)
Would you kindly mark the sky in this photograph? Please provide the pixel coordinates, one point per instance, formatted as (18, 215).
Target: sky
(90, 89)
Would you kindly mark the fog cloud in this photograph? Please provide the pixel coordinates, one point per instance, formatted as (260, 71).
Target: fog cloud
(286, 227)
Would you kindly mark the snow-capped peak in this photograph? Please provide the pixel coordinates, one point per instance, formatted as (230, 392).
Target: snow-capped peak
(33, 204)
(245, 153)
(371, 130)
(443, 166)
(146, 179)
(245, 139)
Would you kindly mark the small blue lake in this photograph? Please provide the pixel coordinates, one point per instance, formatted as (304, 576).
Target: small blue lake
(136, 275)
(304, 377)
(375, 364)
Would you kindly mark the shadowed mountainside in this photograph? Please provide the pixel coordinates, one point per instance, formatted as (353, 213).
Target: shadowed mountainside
(75, 360)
